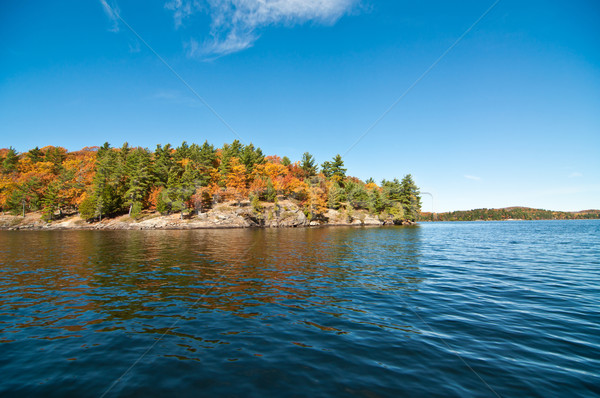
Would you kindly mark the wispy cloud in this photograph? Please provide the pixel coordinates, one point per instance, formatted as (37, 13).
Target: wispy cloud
(470, 177)
(235, 24)
(112, 11)
(183, 9)
(575, 174)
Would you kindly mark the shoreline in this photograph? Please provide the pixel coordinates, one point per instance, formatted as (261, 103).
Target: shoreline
(226, 216)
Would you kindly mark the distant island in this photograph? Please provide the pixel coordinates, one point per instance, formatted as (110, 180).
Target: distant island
(509, 213)
(191, 186)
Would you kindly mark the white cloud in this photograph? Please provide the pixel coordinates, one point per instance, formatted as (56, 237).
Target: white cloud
(474, 178)
(575, 174)
(113, 14)
(235, 24)
(183, 9)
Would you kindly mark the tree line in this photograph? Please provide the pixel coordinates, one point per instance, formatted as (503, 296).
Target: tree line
(104, 181)
(512, 213)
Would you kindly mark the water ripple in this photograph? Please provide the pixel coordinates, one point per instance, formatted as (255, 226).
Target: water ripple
(420, 311)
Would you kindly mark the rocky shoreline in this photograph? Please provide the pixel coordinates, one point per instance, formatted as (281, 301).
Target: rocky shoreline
(230, 215)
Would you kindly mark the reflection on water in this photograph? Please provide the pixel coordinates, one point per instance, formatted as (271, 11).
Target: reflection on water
(430, 310)
(252, 291)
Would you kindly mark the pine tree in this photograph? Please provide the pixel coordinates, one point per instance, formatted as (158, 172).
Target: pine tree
(326, 169)
(207, 159)
(56, 155)
(163, 161)
(376, 203)
(182, 152)
(139, 177)
(336, 196)
(392, 192)
(308, 165)
(51, 200)
(337, 167)
(410, 198)
(10, 161)
(251, 156)
(105, 191)
(35, 155)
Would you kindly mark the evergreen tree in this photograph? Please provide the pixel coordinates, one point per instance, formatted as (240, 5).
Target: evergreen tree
(336, 196)
(286, 161)
(105, 191)
(270, 193)
(308, 165)
(337, 167)
(124, 152)
(376, 203)
(391, 192)
(357, 195)
(26, 196)
(163, 161)
(56, 155)
(207, 158)
(180, 188)
(51, 200)
(326, 169)
(410, 198)
(10, 161)
(235, 149)
(251, 156)
(87, 208)
(139, 175)
(35, 155)
(182, 152)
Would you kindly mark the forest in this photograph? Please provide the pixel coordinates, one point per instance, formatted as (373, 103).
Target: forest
(104, 181)
(509, 213)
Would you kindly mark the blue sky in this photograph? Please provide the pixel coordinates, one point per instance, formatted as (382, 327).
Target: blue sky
(510, 116)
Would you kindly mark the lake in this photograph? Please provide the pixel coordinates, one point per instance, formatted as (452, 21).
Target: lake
(480, 309)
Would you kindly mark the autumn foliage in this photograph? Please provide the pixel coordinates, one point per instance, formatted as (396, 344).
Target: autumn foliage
(104, 181)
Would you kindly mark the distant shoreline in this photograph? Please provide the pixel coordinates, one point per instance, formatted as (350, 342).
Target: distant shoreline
(509, 214)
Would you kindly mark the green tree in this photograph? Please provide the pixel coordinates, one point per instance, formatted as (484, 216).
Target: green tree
(336, 197)
(87, 208)
(106, 182)
(163, 161)
(392, 192)
(51, 200)
(337, 167)
(326, 169)
(376, 202)
(139, 177)
(26, 196)
(56, 155)
(179, 189)
(357, 195)
(286, 161)
(410, 198)
(9, 164)
(35, 155)
(183, 152)
(251, 156)
(308, 165)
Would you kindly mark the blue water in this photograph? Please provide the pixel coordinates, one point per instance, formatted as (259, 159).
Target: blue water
(441, 309)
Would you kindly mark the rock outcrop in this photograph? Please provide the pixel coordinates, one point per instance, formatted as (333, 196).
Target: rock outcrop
(284, 214)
